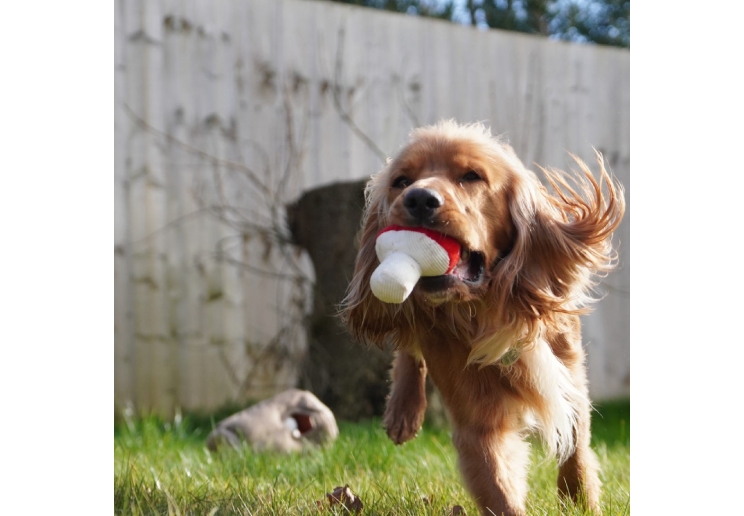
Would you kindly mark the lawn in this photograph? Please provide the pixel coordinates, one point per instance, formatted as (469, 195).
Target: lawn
(164, 468)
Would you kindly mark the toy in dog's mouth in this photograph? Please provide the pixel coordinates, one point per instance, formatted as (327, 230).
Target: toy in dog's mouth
(418, 255)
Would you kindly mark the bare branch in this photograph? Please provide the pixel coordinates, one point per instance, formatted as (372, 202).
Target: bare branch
(255, 181)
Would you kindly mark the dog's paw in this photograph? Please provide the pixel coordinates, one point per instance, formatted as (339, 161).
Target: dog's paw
(402, 428)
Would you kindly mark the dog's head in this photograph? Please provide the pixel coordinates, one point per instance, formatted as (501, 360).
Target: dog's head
(525, 253)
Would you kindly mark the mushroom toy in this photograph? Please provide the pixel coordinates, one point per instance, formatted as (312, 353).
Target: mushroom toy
(407, 254)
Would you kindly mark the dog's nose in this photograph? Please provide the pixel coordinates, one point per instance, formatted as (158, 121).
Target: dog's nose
(422, 203)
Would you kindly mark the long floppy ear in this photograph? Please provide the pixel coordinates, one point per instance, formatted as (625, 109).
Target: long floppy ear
(369, 319)
(562, 244)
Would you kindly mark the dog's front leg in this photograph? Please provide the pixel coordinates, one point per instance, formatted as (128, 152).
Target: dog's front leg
(494, 464)
(406, 405)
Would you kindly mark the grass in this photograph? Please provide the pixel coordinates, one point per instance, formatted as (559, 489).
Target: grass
(163, 468)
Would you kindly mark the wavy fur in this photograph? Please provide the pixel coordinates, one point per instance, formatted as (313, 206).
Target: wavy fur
(504, 348)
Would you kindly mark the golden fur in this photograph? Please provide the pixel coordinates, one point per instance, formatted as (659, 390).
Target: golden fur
(501, 339)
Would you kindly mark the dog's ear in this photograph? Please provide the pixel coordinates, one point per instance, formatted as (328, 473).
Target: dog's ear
(369, 320)
(562, 242)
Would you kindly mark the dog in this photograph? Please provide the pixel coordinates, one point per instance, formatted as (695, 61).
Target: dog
(500, 335)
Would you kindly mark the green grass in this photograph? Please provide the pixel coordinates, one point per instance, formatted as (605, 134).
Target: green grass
(163, 468)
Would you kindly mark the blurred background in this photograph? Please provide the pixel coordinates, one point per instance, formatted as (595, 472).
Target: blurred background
(244, 131)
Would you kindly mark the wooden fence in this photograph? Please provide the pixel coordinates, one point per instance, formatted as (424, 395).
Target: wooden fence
(227, 110)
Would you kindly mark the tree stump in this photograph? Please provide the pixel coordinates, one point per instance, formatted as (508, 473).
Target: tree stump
(350, 378)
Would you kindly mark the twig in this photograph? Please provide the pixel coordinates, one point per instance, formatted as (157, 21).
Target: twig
(215, 160)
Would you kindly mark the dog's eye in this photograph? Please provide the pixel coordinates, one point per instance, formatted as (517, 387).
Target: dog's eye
(470, 176)
(401, 182)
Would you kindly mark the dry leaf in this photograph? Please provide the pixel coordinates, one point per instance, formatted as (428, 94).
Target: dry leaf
(345, 497)
(457, 510)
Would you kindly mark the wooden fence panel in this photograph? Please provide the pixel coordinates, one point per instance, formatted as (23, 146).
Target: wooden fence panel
(226, 111)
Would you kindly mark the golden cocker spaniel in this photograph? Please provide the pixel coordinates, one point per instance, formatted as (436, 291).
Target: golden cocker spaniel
(500, 334)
